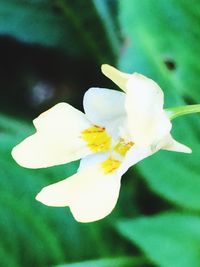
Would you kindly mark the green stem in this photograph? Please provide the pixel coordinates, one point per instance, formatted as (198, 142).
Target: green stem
(182, 110)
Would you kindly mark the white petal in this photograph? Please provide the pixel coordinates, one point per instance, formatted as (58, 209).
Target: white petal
(147, 121)
(93, 160)
(57, 140)
(172, 145)
(133, 156)
(90, 195)
(105, 107)
(101, 104)
(118, 77)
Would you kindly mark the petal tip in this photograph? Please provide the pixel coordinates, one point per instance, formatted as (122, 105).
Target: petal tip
(188, 150)
(118, 77)
(173, 145)
(15, 153)
(38, 197)
(105, 68)
(88, 218)
(44, 197)
(21, 157)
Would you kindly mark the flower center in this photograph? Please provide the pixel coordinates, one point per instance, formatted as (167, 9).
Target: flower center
(97, 138)
(122, 147)
(110, 165)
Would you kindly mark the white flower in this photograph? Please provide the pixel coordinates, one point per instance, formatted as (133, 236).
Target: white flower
(117, 130)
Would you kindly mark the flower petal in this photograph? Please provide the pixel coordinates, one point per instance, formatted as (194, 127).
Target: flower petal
(133, 156)
(105, 107)
(101, 104)
(90, 195)
(57, 140)
(118, 77)
(147, 121)
(172, 145)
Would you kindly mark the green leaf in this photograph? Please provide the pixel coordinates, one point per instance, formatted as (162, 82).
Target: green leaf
(151, 52)
(161, 33)
(170, 239)
(6, 260)
(33, 22)
(112, 262)
(60, 24)
(104, 11)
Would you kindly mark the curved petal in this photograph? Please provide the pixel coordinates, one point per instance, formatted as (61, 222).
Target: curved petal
(147, 121)
(90, 195)
(57, 139)
(172, 145)
(118, 77)
(105, 107)
(101, 104)
(133, 156)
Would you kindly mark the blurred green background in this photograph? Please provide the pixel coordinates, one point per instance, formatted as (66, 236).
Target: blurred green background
(51, 51)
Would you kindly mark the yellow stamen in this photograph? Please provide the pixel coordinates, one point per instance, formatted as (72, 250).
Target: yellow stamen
(97, 139)
(122, 147)
(110, 165)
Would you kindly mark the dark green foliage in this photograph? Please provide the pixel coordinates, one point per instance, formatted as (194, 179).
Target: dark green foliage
(62, 24)
(112, 262)
(163, 43)
(169, 239)
(173, 175)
